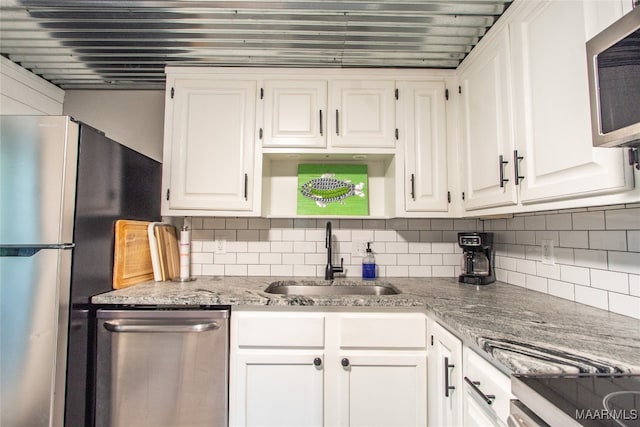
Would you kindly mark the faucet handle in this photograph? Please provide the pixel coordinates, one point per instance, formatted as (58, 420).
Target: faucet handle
(341, 268)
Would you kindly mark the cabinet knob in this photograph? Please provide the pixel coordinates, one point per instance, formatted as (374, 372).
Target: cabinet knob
(317, 361)
(344, 362)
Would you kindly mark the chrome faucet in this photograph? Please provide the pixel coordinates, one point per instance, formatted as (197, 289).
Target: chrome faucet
(330, 269)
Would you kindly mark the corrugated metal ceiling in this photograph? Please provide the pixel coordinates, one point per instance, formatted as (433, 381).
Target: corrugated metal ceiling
(125, 44)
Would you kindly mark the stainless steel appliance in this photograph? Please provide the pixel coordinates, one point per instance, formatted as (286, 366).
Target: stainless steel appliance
(62, 185)
(614, 87)
(476, 263)
(591, 400)
(162, 368)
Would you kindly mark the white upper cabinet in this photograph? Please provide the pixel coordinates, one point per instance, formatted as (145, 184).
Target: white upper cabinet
(422, 132)
(343, 114)
(295, 113)
(209, 146)
(551, 104)
(487, 131)
(362, 113)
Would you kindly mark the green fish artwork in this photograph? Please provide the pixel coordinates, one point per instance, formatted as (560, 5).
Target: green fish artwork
(332, 189)
(329, 189)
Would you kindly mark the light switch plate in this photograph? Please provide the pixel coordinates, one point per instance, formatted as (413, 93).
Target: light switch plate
(359, 248)
(220, 246)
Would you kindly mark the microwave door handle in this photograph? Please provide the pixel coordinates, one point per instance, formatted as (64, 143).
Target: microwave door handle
(122, 326)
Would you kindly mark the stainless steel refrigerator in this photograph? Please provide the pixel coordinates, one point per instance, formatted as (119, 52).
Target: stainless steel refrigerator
(63, 185)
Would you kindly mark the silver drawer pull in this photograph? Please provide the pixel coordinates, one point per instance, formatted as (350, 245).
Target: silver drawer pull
(124, 326)
(488, 398)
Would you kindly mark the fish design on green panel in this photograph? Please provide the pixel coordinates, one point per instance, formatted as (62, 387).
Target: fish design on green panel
(329, 189)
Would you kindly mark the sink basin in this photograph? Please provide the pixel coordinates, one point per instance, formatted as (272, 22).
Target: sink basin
(329, 288)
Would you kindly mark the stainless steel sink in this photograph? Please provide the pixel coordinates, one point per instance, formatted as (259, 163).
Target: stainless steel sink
(331, 287)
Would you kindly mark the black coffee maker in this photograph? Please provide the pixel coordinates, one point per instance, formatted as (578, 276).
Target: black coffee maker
(477, 259)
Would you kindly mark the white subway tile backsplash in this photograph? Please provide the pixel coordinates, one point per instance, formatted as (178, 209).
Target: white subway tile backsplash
(623, 219)
(517, 279)
(397, 247)
(559, 222)
(549, 271)
(634, 285)
(526, 266)
(596, 250)
(385, 236)
(442, 224)
(591, 296)
(442, 271)
(442, 248)
(624, 304)
(270, 258)
(561, 289)
(258, 270)
(535, 222)
(591, 258)
(633, 241)
(526, 237)
(536, 283)
(610, 281)
(409, 259)
(574, 239)
(588, 220)
(578, 275)
(628, 262)
(608, 240)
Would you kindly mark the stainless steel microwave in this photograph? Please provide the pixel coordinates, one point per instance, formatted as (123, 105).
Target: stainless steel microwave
(614, 83)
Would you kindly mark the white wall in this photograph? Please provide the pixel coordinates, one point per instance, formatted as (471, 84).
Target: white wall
(133, 118)
(22, 92)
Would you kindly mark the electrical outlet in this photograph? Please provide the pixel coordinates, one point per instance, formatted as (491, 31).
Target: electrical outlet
(220, 246)
(547, 252)
(359, 248)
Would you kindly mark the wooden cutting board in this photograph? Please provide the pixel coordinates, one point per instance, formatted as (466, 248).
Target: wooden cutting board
(168, 251)
(132, 255)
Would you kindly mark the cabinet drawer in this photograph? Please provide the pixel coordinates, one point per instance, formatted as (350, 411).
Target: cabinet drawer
(489, 380)
(383, 330)
(280, 329)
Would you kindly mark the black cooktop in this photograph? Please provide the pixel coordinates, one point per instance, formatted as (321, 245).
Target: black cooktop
(581, 400)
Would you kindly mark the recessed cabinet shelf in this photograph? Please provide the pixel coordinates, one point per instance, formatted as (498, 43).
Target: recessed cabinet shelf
(280, 182)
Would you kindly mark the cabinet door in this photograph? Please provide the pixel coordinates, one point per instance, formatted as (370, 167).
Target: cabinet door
(553, 131)
(295, 113)
(278, 388)
(422, 129)
(445, 378)
(362, 113)
(487, 127)
(212, 154)
(380, 388)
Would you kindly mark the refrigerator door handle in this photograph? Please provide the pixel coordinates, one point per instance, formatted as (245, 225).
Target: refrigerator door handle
(30, 250)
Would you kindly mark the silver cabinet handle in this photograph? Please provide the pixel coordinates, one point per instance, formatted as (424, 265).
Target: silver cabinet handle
(124, 326)
(447, 386)
(321, 131)
(246, 186)
(413, 187)
(502, 163)
(337, 122)
(516, 166)
(488, 398)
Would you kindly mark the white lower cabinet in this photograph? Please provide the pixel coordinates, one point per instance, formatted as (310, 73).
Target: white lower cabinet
(348, 369)
(445, 377)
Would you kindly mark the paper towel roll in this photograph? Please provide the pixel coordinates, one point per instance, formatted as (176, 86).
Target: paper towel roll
(185, 254)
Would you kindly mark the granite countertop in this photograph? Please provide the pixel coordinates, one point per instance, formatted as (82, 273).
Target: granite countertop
(518, 330)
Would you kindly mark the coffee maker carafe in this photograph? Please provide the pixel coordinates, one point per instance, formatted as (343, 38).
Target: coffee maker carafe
(476, 263)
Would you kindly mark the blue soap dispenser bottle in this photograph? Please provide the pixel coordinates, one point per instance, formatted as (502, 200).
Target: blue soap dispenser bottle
(369, 264)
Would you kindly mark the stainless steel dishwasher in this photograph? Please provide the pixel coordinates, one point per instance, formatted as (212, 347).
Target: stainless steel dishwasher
(162, 368)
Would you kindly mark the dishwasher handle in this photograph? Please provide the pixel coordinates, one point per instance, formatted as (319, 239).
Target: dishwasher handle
(163, 326)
